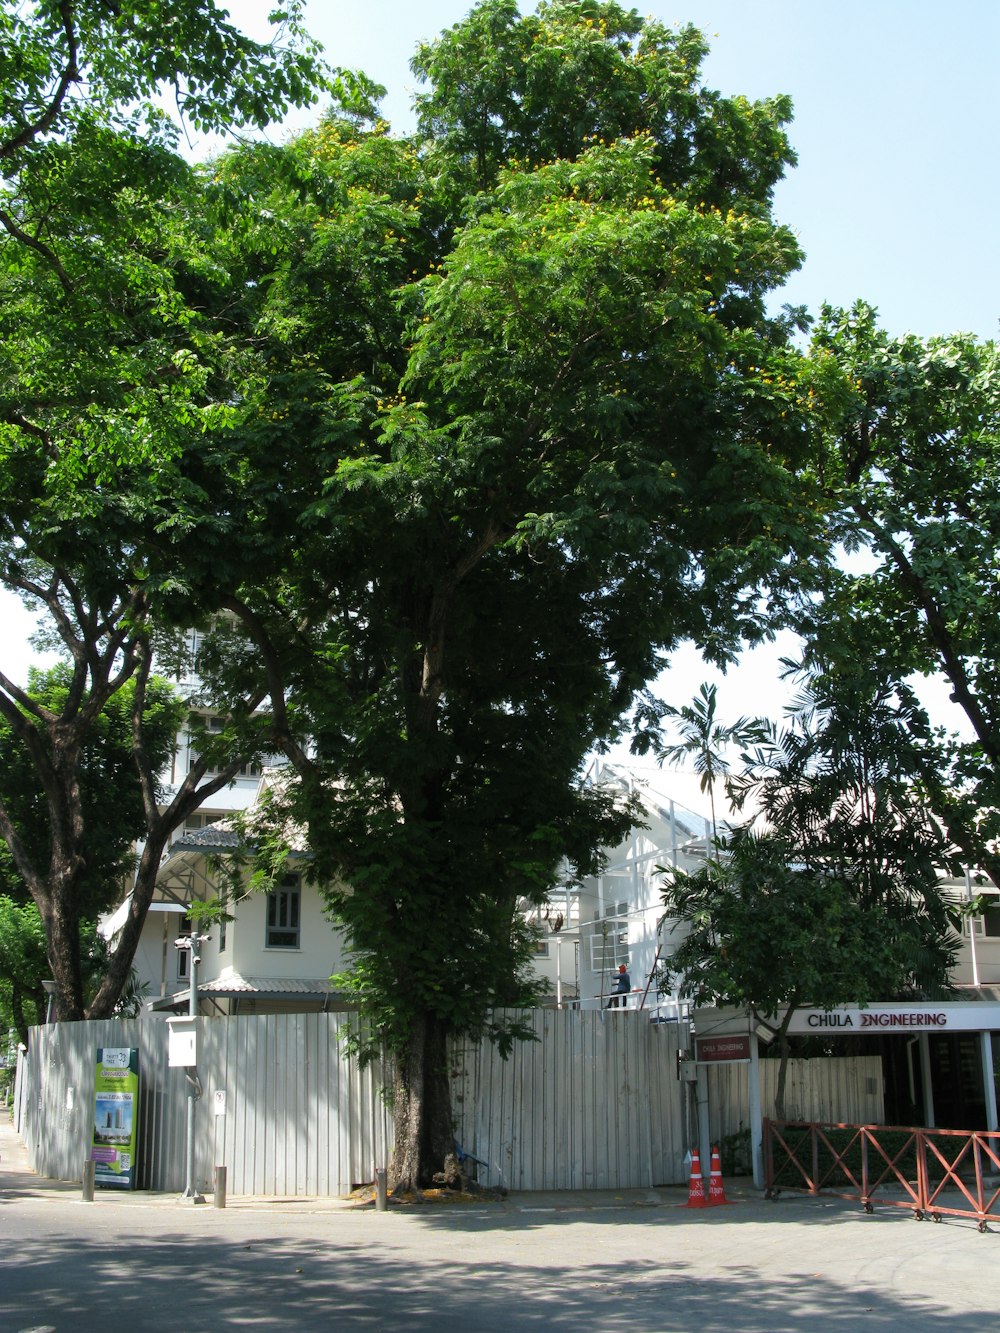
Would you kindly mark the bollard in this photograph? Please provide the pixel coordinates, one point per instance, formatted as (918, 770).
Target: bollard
(220, 1187)
(381, 1198)
(89, 1168)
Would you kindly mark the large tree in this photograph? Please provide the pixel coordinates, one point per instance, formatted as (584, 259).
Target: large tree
(759, 933)
(522, 424)
(110, 370)
(911, 467)
(830, 892)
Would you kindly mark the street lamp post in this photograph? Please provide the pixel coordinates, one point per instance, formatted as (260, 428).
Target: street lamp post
(191, 943)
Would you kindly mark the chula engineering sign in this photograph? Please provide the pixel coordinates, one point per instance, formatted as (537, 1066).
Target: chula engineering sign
(962, 1016)
(869, 1020)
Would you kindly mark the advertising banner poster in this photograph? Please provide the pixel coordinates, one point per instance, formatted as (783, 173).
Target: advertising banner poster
(116, 1117)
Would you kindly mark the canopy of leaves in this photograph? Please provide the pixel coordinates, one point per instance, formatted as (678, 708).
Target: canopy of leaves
(840, 791)
(544, 429)
(64, 60)
(23, 966)
(111, 798)
(912, 466)
(763, 935)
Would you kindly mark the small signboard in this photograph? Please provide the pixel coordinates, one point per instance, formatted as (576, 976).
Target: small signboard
(116, 1117)
(716, 1050)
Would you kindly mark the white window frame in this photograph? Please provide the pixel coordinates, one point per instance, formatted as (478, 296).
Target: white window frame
(283, 914)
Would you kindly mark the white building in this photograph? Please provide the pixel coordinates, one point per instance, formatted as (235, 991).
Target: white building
(589, 928)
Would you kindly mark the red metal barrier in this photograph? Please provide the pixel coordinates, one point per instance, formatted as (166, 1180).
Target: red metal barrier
(937, 1172)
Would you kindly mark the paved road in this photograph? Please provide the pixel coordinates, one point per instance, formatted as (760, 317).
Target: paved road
(637, 1262)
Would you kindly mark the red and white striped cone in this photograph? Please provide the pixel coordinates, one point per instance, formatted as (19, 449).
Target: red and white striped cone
(696, 1185)
(716, 1193)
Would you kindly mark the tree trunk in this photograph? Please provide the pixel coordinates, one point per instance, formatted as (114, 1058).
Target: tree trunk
(779, 1092)
(62, 930)
(123, 952)
(421, 1107)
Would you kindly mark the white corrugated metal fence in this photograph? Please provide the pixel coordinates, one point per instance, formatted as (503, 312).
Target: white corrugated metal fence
(593, 1102)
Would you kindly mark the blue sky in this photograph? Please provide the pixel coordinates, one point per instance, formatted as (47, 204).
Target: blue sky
(894, 199)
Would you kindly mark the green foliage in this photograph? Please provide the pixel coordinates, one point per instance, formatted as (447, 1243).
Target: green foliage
(910, 465)
(763, 935)
(62, 62)
(545, 430)
(841, 790)
(533, 89)
(837, 899)
(703, 739)
(111, 800)
(23, 966)
(114, 366)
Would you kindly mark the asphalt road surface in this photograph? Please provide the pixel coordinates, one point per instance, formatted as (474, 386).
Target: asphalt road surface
(638, 1262)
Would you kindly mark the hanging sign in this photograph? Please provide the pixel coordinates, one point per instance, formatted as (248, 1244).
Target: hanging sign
(116, 1117)
(714, 1050)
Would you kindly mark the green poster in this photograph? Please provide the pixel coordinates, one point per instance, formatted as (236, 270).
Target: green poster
(116, 1117)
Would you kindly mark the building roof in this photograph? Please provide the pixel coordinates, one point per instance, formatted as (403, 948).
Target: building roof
(234, 986)
(214, 838)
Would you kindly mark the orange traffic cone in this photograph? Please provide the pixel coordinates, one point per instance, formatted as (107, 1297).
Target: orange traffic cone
(696, 1185)
(716, 1193)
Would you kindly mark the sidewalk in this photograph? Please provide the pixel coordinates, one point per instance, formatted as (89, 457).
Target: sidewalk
(17, 1177)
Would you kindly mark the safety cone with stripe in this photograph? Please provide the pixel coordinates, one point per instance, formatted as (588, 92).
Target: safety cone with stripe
(696, 1185)
(716, 1193)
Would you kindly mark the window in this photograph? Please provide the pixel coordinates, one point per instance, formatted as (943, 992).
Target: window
(609, 939)
(541, 948)
(988, 924)
(224, 916)
(283, 915)
(202, 819)
(183, 955)
(215, 725)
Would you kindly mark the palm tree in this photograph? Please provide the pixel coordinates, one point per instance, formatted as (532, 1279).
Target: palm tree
(704, 740)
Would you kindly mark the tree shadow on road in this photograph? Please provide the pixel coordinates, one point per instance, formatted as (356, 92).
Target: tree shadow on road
(358, 1274)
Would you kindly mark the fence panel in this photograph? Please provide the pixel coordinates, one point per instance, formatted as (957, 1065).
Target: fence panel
(934, 1172)
(835, 1089)
(593, 1102)
(298, 1119)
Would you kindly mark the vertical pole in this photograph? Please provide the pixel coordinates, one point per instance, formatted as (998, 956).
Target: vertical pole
(989, 1083)
(190, 1189)
(89, 1171)
(220, 1187)
(972, 930)
(923, 1043)
(558, 974)
(381, 1194)
(756, 1120)
(704, 1124)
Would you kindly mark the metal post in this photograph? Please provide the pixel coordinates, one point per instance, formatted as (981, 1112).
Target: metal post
(989, 1082)
(381, 1195)
(756, 1120)
(189, 1187)
(704, 1126)
(220, 1187)
(923, 1045)
(972, 930)
(194, 1088)
(89, 1169)
(49, 987)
